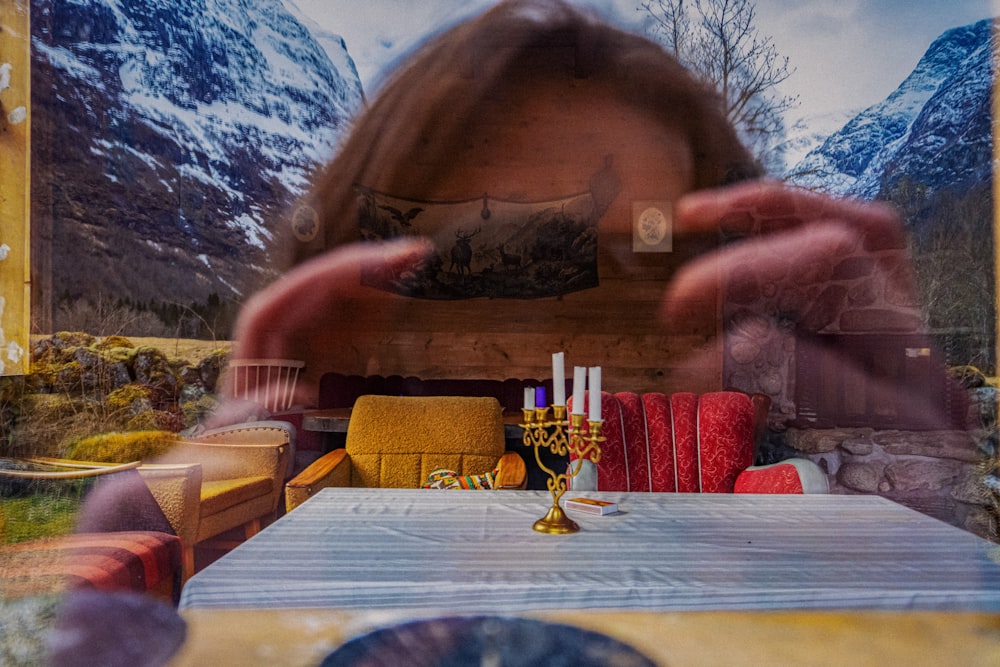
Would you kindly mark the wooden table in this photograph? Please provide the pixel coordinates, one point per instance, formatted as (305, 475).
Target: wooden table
(475, 552)
(302, 637)
(328, 420)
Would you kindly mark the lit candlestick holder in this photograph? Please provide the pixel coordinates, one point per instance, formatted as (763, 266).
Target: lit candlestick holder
(561, 437)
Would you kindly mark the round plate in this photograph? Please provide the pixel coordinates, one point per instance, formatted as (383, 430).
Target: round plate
(485, 640)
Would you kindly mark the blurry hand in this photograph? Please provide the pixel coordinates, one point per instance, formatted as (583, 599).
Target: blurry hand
(323, 294)
(801, 263)
(788, 233)
(312, 295)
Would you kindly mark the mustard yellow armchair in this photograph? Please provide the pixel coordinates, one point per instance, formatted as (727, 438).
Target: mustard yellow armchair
(397, 441)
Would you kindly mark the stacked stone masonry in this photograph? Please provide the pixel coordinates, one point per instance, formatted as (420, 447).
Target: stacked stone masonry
(864, 290)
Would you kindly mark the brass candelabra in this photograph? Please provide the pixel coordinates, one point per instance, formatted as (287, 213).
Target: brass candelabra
(561, 437)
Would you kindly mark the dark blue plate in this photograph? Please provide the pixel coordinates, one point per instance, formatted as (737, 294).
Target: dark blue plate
(497, 641)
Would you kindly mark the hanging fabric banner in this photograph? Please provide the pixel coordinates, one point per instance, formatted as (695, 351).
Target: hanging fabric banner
(486, 247)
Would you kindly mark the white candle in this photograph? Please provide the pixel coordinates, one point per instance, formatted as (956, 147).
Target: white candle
(595, 394)
(529, 398)
(558, 379)
(579, 387)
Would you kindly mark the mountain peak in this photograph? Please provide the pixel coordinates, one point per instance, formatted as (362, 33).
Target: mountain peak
(934, 115)
(173, 137)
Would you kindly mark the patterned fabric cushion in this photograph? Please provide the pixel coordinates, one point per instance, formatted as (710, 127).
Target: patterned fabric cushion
(636, 440)
(449, 479)
(725, 439)
(684, 415)
(778, 478)
(131, 560)
(614, 465)
(687, 443)
(660, 433)
(795, 475)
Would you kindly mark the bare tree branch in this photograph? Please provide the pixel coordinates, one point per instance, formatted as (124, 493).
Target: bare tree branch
(719, 41)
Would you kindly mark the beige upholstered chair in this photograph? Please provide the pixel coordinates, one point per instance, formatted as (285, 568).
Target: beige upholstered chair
(176, 487)
(221, 480)
(243, 470)
(397, 441)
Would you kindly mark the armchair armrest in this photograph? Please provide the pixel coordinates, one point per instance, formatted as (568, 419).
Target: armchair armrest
(221, 461)
(511, 472)
(177, 490)
(331, 469)
(74, 469)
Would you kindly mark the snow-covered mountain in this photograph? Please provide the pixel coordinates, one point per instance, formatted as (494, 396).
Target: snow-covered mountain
(934, 129)
(171, 138)
(807, 133)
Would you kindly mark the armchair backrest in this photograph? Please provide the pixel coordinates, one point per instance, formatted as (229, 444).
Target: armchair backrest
(266, 432)
(681, 442)
(396, 441)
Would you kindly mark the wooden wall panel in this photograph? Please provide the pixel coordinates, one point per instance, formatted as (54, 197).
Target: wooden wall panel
(538, 144)
(15, 138)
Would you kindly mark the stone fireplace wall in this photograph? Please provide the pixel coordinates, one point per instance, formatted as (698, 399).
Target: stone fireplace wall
(764, 310)
(867, 290)
(939, 473)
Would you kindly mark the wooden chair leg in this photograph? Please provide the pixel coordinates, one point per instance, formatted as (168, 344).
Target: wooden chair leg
(251, 528)
(187, 568)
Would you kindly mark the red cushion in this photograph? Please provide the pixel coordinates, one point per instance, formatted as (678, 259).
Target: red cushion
(612, 469)
(725, 439)
(777, 478)
(684, 442)
(660, 433)
(684, 414)
(633, 415)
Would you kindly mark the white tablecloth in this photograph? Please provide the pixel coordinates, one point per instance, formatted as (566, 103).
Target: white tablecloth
(476, 552)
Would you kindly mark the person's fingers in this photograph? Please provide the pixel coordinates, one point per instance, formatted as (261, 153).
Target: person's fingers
(788, 255)
(763, 207)
(308, 296)
(786, 235)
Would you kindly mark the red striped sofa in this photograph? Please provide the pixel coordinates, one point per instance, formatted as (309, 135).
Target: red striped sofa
(122, 541)
(141, 561)
(688, 443)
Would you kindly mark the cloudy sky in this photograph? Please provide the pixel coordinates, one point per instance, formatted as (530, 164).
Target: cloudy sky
(848, 54)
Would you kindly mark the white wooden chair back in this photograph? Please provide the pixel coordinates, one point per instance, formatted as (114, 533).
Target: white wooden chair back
(267, 382)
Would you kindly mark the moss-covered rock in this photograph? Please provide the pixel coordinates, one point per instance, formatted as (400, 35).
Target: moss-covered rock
(68, 377)
(161, 420)
(113, 342)
(197, 409)
(153, 368)
(103, 385)
(121, 447)
(211, 368)
(133, 398)
(66, 339)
